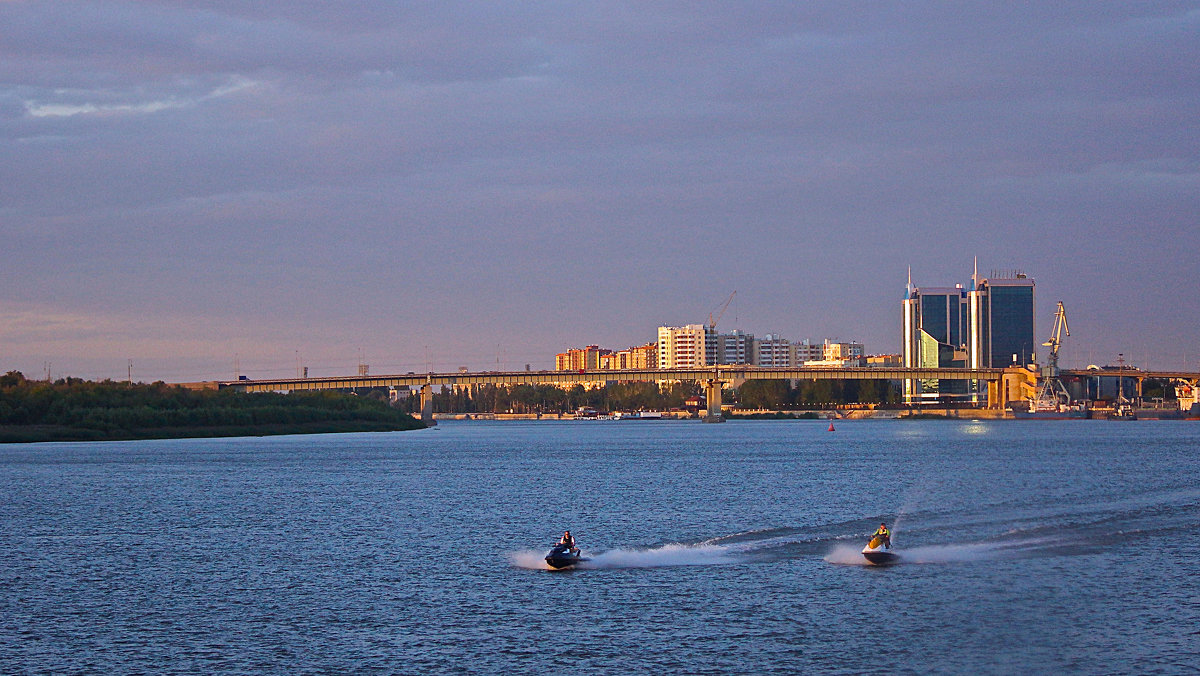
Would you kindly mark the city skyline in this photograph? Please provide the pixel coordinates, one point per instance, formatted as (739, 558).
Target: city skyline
(197, 186)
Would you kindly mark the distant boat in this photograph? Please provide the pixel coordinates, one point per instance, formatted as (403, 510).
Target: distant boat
(638, 415)
(1060, 412)
(1123, 412)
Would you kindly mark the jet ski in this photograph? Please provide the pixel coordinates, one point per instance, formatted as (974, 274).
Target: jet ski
(879, 553)
(563, 556)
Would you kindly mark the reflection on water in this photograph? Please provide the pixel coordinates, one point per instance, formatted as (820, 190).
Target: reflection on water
(974, 427)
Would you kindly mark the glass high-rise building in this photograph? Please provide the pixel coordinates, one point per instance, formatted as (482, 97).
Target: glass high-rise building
(935, 336)
(1002, 322)
(990, 324)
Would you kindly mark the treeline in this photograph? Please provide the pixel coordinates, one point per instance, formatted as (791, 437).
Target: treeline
(75, 409)
(754, 394)
(781, 394)
(551, 399)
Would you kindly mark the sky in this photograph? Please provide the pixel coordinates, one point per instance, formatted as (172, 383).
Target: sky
(205, 189)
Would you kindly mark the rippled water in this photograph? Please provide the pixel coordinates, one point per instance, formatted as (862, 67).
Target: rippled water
(1029, 547)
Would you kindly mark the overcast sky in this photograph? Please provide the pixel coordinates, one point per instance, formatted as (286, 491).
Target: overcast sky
(199, 185)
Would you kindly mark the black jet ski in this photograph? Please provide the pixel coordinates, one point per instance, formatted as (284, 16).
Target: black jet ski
(879, 552)
(563, 556)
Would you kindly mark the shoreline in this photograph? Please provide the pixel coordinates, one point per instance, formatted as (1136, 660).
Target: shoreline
(829, 414)
(59, 434)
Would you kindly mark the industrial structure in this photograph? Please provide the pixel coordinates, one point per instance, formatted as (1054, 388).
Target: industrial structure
(1052, 394)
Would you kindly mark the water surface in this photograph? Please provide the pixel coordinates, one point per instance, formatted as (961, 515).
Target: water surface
(1029, 547)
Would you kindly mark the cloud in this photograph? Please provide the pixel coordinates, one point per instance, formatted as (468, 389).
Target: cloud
(61, 109)
(469, 172)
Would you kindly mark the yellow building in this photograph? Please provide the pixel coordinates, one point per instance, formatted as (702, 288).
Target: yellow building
(640, 357)
(578, 359)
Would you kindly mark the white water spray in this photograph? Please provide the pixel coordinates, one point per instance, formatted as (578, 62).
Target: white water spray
(656, 557)
(851, 555)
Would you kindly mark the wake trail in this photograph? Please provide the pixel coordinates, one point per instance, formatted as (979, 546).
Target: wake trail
(654, 557)
(851, 555)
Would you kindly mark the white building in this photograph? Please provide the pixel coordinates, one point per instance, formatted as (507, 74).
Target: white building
(773, 350)
(735, 347)
(691, 346)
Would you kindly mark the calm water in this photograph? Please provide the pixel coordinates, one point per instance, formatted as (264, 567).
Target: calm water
(1031, 547)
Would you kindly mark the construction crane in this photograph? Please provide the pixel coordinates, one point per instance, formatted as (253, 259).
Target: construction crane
(712, 322)
(1053, 392)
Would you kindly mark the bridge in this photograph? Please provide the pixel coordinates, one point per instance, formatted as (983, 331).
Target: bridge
(1138, 375)
(1002, 384)
(1132, 373)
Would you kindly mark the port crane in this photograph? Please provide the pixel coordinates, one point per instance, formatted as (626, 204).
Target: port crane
(1053, 393)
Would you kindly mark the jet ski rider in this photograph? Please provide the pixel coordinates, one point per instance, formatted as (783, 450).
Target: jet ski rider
(884, 533)
(569, 542)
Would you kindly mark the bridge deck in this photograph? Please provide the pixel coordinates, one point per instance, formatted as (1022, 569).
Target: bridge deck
(724, 373)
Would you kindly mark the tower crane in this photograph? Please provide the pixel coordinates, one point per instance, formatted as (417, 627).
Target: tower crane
(1052, 392)
(712, 323)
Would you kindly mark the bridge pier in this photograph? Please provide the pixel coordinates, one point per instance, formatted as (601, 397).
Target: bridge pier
(427, 404)
(1015, 384)
(712, 394)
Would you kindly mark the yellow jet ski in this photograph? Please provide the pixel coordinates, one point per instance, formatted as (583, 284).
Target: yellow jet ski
(879, 552)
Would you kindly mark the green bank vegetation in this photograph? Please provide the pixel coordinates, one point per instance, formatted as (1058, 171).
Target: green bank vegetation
(72, 409)
(634, 396)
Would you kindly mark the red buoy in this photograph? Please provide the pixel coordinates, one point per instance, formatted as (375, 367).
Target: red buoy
(831, 426)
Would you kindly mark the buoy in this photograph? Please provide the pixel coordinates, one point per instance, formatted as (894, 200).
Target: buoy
(831, 426)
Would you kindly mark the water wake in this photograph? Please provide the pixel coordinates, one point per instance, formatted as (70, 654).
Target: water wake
(847, 555)
(666, 555)
(957, 553)
(529, 559)
(655, 557)
(851, 554)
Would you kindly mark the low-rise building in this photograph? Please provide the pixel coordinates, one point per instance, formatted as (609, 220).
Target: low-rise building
(884, 360)
(835, 363)
(578, 359)
(640, 357)
(832, 350)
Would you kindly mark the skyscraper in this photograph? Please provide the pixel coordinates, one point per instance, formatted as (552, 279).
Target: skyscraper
(935, 336)
(987, 325)
(1001, 321)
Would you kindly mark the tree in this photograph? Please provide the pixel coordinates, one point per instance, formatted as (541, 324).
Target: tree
(12, 379)
(769, 394)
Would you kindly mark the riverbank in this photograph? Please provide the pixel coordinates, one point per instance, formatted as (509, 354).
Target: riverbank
(843, 414)
(762, 414)
(48, 433)
(79, 410)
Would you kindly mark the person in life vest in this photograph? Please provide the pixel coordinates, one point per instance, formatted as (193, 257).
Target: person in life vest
(884, 533)
(568, 541)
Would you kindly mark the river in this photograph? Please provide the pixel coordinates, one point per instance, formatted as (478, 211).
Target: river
(1028, 547)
